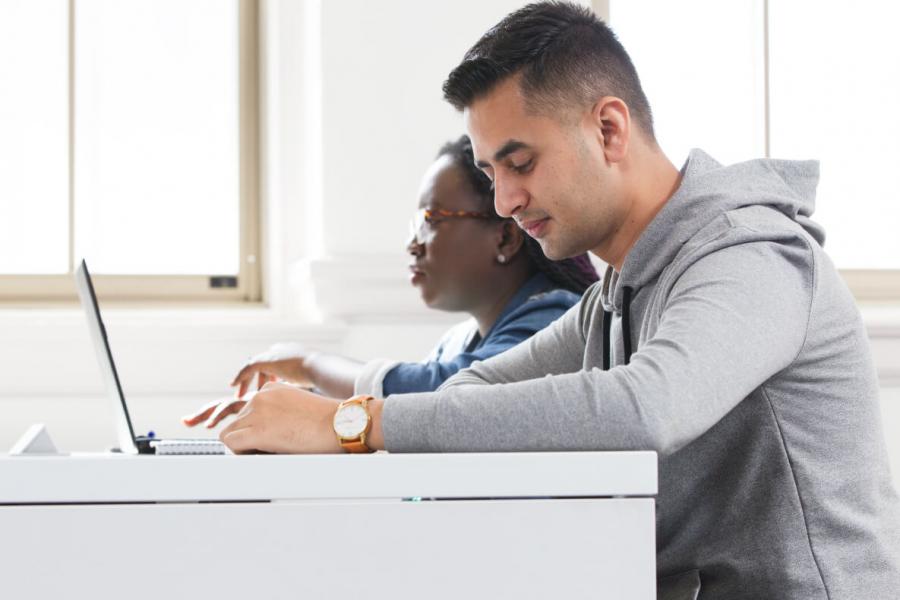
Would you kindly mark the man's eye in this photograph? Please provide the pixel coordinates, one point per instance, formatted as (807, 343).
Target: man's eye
(523, 168)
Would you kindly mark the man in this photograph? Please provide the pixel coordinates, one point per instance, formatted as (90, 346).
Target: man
(722, 336)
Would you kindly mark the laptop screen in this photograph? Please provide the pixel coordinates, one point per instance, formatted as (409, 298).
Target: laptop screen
(85, 287)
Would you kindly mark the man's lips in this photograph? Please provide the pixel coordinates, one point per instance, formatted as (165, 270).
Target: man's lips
(535, 227)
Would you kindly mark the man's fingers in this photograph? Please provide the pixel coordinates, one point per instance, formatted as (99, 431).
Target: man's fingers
(202, 414)
(194, 419)
(239, 441)
(244, 423)
(223, 410)
(261, 380)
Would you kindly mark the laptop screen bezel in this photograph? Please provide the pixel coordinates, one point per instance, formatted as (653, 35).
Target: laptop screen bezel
(85, 287)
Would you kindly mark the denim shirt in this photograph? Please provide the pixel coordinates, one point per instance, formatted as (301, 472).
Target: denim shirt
(538, 303)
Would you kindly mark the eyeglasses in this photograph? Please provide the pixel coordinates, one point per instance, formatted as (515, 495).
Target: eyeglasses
(421, 227)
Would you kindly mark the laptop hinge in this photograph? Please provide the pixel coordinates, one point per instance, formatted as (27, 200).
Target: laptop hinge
(143, 444)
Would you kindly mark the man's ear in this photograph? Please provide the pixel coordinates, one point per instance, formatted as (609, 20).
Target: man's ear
(610, 120)
(511, 239)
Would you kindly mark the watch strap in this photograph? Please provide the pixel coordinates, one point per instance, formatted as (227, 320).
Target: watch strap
(357, 447)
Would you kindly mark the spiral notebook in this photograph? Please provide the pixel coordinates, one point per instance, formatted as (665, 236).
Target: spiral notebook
(187, 447)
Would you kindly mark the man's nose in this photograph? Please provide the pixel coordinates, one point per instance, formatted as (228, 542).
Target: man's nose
(509, 198)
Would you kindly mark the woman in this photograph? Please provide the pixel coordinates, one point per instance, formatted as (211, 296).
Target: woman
(464, 258)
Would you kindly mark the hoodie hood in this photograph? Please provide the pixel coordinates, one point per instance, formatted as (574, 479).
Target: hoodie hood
(707, 191)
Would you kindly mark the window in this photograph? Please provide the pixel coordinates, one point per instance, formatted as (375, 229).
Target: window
(788, 79)
(131, 141)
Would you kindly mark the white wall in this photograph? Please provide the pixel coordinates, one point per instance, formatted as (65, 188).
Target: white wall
(353, 116)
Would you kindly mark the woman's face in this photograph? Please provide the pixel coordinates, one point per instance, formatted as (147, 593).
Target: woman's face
(455, 268)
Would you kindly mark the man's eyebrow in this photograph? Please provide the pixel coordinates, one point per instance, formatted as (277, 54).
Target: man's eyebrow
(507, 149)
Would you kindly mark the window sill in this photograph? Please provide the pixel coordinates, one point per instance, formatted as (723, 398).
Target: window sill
(246, 323)
(251, 321)
(882, 320)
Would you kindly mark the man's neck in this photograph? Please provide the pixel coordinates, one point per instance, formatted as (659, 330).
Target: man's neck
(655, 183)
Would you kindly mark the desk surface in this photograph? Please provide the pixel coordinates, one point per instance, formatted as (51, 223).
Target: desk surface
(118, 478)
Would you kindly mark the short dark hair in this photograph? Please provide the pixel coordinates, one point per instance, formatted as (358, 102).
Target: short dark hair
(575, 274)
(566, 56)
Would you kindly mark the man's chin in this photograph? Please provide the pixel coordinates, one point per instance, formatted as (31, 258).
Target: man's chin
(550, 250)
(555, 251)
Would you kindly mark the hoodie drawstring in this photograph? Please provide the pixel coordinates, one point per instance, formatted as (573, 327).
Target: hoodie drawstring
(626, 322)
(607, 317)
(626, 329)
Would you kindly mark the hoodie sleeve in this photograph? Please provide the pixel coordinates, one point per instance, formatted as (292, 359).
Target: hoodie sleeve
(733, 319)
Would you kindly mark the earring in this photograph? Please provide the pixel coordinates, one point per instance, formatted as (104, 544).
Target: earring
(501, 259)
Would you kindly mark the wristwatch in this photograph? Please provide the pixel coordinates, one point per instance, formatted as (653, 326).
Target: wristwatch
(352, 423)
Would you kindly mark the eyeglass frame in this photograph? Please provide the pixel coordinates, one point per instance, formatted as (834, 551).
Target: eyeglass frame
(430, 216)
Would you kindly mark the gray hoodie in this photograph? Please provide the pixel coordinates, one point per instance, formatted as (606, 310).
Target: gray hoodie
(737, 353)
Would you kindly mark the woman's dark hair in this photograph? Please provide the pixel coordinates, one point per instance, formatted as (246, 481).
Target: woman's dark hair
(575, 274)
(566, 57)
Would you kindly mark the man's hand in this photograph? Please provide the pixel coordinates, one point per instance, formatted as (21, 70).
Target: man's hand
(214, 412)
(284, 419)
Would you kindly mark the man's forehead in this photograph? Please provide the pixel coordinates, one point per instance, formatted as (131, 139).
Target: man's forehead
(497, 142)
(496, 118)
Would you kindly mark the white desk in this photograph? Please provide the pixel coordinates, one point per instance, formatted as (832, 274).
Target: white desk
(550, 525)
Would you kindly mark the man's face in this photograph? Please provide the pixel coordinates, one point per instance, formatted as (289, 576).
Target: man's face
(550, 174)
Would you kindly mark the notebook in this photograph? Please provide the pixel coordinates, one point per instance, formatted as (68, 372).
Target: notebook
(128, 442)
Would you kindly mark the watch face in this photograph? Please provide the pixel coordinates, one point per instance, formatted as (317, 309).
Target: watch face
(351, 421)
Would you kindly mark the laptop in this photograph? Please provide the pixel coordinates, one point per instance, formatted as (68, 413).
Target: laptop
(128, 442)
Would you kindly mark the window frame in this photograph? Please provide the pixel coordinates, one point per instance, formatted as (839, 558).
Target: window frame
(163, 289)
(873, 285)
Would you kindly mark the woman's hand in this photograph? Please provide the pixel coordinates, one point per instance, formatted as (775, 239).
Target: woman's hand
(281, 361)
